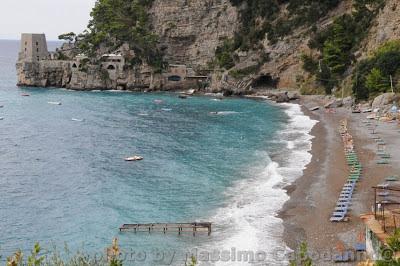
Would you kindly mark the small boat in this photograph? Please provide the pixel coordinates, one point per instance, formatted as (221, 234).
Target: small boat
(134, 158)
(315, 108)
(25, 94)
(158, 101)
(182, 96)
(369, 110)
(1, 106)
(1, 118)
(54, 103)
(77, 119)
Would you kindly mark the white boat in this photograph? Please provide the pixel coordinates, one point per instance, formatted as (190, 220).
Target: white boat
(134, 158)
(54, 103)
(77, 119)
(1, 118)
(366, 110)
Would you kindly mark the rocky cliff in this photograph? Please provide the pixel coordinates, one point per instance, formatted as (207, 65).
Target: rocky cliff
(190, 32)
(386, 27)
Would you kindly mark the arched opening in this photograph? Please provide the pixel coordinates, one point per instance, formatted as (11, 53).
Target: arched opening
(265, 81)
(80, 65)
(74, 65)
(174, 78)
(111, 67)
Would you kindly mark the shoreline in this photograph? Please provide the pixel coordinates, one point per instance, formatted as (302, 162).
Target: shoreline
(312, 197)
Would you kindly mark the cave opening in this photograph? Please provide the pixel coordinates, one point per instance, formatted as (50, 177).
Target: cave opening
(265, 81)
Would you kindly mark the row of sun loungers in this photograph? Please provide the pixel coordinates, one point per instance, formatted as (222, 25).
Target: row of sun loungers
(344, 201)
(383, 158)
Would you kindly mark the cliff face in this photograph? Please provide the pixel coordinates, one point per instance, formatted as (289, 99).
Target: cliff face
(191, 30)
(385, 28)
(44, 73)
(61, 73)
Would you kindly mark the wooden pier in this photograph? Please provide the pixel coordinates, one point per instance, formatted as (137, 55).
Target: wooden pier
(180, 228)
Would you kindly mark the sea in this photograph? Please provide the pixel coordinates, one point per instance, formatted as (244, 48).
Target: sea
(64, 182)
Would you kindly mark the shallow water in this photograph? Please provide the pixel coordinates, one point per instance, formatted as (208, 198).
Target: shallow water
(63, 178)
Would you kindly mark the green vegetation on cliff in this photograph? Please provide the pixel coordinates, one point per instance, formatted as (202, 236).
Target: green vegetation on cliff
(379, 72)
(115, 22)
(338, 42)
(261, 18)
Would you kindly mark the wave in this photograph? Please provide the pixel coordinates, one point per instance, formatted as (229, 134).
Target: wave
(251, 214)
(224, 113)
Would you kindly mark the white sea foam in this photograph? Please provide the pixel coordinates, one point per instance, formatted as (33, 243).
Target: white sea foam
(248, 222)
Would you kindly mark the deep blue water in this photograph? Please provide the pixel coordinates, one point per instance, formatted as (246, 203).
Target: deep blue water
(65, 181)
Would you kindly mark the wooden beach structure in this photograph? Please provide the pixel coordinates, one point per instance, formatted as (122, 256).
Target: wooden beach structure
(180, 228)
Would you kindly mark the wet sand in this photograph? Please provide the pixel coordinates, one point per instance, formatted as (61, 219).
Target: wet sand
(314, 195)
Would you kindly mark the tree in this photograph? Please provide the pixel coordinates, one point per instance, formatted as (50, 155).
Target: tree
(375, 82)
(337, 48)
(115, 22)
(70, 36)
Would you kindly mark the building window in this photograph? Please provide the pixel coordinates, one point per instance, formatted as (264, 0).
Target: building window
(111, 67)
(37, 50)
(26, 43)
(38, 58)
(37, 43)
(74, 65)
(25, 49)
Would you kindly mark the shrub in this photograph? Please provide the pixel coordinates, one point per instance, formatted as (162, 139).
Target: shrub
(372, 75)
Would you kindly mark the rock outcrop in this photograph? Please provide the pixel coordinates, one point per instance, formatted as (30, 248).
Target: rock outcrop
(384, 100)
(191, 30)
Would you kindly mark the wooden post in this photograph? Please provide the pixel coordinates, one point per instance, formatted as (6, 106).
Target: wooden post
(391, 83)
(375, 202)
(384, 221)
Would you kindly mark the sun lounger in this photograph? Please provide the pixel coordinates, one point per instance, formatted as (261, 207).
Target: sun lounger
(344, 210)
(392, 178)
(345, 256)
(345, 197)
(382, 162)
(360, 247)
(383, 185)
(338, 214)
(337, 218)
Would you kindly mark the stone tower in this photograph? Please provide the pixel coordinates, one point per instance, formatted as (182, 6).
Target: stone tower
(33, 47)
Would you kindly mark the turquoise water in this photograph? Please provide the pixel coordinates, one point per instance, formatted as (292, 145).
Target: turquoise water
(65, 181)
